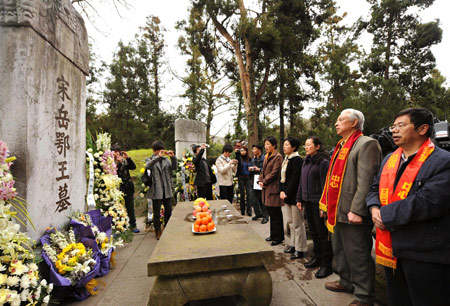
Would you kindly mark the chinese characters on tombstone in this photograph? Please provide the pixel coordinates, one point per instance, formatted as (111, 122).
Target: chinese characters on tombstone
(62, 145)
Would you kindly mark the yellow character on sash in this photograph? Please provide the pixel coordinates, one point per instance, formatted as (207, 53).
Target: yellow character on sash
(384, 196)
(335, 181)
(403, 193)
(343, 153)
(392, 161)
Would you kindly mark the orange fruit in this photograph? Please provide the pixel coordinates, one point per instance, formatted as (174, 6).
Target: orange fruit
(205, 221)
(211, 226)
(209, 218)
(205, 208)
(198, 222)
(196, 228)
(203, 228)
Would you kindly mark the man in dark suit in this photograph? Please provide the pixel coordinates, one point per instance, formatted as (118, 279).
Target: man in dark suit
(204, 178)
(410, 205)
(355, 161)
(256, 197)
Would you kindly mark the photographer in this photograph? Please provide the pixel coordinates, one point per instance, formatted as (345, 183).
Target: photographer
(205, 178)
(161, 164)
(124, 165)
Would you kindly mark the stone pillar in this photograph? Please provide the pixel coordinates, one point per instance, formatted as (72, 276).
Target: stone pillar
(187, 133)
(44, 60)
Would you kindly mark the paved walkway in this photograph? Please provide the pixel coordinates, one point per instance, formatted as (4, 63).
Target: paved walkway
(293, 285)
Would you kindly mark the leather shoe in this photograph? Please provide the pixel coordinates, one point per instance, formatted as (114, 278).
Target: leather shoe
(312, 263)
(337, 287)
(269, 239)
(289, 249)
(264, 220)
(297, 255)
(276, 242)
(359, 303)
(323, 272)
(256, 218)
(158, 234)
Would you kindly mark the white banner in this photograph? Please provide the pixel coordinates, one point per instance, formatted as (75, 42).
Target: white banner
(90, 196)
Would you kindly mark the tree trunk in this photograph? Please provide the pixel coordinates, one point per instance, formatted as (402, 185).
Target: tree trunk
(281, 110)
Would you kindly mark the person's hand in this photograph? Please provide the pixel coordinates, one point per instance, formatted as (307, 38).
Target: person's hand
(125, 154)
(203, 146)
(300, 206)
(376, 217)
(283, 195)
(323, 214)
(261, 184)
(170, 153)
(354, 218)
(161, 153)
(234, 161)
(256, 168)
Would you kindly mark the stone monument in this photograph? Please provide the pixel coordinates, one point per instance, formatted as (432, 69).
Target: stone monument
(44, 60)
(187, 133)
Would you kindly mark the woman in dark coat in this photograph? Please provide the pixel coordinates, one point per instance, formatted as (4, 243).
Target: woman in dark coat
(244, 181)
(314, 172)
(292, 216)
(269, 181)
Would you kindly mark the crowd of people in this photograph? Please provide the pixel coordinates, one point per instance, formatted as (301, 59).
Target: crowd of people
(405, 196)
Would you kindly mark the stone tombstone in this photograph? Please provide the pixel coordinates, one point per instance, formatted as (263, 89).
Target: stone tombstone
(187, 133)
(44, 62)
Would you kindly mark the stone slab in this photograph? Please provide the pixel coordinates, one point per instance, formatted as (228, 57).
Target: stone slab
(232, 246)
(187, 133)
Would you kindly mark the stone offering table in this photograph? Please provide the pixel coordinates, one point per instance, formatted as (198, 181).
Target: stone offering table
(193, 267)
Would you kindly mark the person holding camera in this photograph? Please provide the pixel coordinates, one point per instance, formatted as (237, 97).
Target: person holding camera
(124, 165)
(161, 164)
(226, 167)
(204, 178)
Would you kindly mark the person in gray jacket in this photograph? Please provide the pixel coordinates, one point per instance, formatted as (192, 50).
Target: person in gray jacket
(161, 164)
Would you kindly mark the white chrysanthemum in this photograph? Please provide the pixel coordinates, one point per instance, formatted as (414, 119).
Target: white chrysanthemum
(24, 295)
(49, 289)
(12, 281)
(25, 282)
(46, 299)
(43, 282)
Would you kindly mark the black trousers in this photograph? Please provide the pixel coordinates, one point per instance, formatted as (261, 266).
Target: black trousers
(205, 191)
(258, 207)
(418, 283)
(156, 212)
(129, 205)
(245, 189)
(226, 193)
(322, 245)
(276, 223)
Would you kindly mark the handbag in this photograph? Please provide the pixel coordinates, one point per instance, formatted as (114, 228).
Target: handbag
(146, 178)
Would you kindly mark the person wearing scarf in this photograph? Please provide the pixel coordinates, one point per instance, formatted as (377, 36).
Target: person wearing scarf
(269, 181)
(291, 170)
(355, 161)
(410, 205)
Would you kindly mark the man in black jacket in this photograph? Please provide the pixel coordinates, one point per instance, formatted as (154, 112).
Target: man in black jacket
(205, 178)
(410, 206)
(124, 165)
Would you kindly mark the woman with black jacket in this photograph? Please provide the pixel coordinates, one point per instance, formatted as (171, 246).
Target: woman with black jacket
(314, 172)
(290, 178)
(204, 178)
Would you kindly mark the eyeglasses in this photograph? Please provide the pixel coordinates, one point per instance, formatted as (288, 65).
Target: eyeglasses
(399, 126)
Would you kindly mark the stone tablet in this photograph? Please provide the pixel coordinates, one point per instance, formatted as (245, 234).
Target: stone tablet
(43, 66)
(187, 133)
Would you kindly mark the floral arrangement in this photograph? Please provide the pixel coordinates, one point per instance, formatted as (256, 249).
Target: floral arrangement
(107, 194)
(69, 257)
(20, 283)
(187, 168)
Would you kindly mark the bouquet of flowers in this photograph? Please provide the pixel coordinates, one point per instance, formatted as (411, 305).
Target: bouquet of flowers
(94, 226)
(20, 283)
(185, 178)
(107, 194)
(71, 263)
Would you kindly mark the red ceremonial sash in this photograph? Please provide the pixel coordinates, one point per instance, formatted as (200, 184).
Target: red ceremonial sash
(383, 243)
(332, 189)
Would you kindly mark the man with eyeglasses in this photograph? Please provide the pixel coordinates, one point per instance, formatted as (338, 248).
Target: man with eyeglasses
(410, 205)
(355, 161)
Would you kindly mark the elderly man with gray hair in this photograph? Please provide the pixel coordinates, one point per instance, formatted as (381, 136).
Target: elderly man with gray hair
(355, 161)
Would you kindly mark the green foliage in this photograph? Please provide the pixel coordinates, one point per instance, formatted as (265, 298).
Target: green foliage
(139, 156)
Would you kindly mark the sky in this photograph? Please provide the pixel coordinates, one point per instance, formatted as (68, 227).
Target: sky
(109, 27)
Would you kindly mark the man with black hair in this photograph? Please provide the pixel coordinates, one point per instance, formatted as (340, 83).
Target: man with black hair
(161, 164)
(255, 169)
(204, 178)
(409, 202)
(124, 165)
(226, 167)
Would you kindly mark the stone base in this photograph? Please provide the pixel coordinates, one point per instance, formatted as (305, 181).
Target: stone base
(253, 285)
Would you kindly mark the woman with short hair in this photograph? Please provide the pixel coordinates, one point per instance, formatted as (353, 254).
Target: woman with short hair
(269, 181)
(293, 217)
